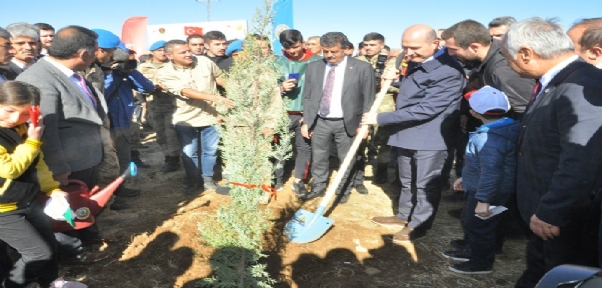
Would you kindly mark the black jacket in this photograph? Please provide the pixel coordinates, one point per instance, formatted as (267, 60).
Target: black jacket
(495, 72)
(559, 157)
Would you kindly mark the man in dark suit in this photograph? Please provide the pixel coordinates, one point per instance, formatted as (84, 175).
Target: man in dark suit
(73, 117)
(421, 128)
(338, 91)
(6, 54)
(559, 157)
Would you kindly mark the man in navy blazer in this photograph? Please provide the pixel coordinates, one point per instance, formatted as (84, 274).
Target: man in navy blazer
(421, 128)
(338, 91)
(560, 156)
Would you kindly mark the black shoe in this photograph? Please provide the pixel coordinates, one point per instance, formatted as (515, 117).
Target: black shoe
(126, 192)
(222, 190)
(299, 188)
(344, 199)
(119, 204)
(360, 188)
(140, 164)
(208, 183)
(458, 244)
(455, 213)
(314, 193)
(470, 268)
(278, 186)
(457, 255)
(171, 164)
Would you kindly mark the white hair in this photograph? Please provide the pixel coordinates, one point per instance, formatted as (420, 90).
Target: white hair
(23, 29)
(545, 37)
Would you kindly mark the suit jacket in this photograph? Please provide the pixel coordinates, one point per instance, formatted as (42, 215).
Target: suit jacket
(560, 154)
(428, 105)
(357, 96)
(12, 70)
(72, 136)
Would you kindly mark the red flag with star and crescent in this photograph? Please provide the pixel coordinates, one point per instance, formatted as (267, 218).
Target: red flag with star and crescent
(189, 30)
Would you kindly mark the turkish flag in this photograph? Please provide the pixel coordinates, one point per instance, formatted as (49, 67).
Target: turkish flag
(189, 30)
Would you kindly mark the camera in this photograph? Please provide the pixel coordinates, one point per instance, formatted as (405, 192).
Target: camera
(125, 65)
(380, 68)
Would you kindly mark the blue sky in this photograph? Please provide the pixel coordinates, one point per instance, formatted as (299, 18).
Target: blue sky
(311, 17)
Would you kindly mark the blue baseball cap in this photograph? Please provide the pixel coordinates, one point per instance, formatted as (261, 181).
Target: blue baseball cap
(234, 47)
(157, 45)
(106, 39)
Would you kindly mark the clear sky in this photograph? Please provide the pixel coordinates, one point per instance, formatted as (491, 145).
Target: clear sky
(312, 17)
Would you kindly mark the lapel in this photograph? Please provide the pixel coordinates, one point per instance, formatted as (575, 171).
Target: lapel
(549, 89)
(321, 67)
(349, 75)
(71, 87)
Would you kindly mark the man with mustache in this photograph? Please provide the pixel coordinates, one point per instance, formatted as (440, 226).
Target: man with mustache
(193, 84)
(24, 38)
(6, 54)
(338, 90)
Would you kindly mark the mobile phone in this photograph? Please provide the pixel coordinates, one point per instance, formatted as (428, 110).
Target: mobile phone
(293, 76)
(34, 114)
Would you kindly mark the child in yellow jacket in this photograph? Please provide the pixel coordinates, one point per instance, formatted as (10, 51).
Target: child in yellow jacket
(23, 174)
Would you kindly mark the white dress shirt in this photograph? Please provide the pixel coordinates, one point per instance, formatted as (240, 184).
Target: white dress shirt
(546, 78)
(70, 74)
(336, 107)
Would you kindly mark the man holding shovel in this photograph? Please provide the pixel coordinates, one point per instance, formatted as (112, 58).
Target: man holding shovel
(338, 90)
(427, 103)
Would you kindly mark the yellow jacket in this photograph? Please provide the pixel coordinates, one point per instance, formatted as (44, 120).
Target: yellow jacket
(14, 164)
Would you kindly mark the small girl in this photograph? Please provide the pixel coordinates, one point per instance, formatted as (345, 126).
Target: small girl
(23, 174)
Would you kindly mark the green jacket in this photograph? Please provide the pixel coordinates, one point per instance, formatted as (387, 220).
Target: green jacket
(286, 67)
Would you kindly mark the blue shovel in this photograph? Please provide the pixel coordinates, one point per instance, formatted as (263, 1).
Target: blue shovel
(307, 227)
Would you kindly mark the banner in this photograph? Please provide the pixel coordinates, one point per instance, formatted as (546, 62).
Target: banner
(283, 20)
(235, 29)
(133, 33)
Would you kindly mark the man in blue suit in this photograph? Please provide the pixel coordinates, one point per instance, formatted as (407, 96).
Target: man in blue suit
(427, 105)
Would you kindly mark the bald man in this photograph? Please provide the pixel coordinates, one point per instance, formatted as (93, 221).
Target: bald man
(421, 127)
(587, 39)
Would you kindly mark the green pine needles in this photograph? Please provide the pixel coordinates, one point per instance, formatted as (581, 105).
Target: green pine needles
(249, 153)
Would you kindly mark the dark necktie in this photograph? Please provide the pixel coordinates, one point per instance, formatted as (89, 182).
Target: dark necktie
(536, 90)
(327, 93)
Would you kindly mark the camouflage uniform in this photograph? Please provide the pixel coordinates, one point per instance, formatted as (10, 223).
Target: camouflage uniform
(109, 166)
(377, 143)
(161, 107)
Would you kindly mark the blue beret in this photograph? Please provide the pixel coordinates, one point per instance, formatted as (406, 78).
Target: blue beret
(234, 47)
(106, 39)
(157, 45)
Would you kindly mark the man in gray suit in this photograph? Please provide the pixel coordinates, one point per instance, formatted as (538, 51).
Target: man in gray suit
(73, 117)
(338, 91)
(427, 105)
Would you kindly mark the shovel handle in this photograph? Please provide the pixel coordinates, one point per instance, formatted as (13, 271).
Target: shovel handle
(352, 150)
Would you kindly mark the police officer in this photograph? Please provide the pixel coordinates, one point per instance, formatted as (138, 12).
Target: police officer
(161, 108)
(384, 68)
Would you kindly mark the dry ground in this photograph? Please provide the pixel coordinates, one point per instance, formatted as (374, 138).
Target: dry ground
(162, 247)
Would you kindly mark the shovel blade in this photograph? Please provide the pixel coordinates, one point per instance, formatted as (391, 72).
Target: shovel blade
(301, 229)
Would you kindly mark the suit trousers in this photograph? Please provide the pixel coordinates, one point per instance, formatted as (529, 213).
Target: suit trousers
(28, 230)
(572, 246)
(323, 133)
(420, 176)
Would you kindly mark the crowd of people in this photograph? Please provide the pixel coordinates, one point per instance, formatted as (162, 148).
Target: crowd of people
(513, 105)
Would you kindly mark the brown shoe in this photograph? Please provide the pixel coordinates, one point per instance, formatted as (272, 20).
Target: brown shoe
(390, 222)
(408, 234)
(85, 258)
